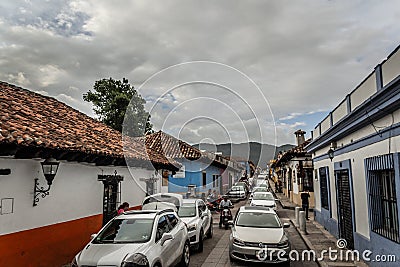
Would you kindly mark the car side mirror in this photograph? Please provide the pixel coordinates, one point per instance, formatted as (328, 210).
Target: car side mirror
(230, 222)
(166, 237)
(92, 236)
(286, 225)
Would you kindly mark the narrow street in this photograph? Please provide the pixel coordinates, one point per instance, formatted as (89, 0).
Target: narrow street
(216, 249)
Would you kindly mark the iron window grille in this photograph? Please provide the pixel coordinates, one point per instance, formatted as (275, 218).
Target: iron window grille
(382, 197)
(323, 183)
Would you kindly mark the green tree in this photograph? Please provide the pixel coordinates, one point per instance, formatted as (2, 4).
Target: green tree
(119, 105)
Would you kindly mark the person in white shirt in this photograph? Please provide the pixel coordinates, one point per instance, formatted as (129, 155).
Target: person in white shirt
(225, 203)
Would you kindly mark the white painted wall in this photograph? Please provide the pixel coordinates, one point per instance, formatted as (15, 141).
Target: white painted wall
(339, 112)
(325, 124)
(359, 180)
(391, 68)
(75, 192)
(363, 92)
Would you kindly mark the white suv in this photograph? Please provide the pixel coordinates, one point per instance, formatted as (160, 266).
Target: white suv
(138, 238)
(197, 216)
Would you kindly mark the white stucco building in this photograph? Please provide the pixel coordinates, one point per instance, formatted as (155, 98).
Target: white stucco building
(357, 191)
(96, 171)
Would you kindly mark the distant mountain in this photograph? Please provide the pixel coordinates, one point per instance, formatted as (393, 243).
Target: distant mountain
(258, 153)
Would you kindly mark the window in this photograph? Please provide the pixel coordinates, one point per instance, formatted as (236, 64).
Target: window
(308, 179)
(215, 180)
(323, 184)
(204, 179)
(162, 227)
(172, 220)
(382, 196)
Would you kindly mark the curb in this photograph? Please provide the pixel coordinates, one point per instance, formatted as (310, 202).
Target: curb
(309, 245)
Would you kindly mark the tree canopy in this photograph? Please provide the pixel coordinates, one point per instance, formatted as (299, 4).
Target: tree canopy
(118, 104)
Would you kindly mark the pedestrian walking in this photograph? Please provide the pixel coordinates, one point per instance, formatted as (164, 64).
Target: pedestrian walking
(305, 195)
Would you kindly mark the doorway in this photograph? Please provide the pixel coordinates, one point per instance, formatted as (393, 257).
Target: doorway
(345, 211)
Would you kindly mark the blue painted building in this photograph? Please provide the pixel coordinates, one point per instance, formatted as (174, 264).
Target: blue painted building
(199, 171)
(356, 154)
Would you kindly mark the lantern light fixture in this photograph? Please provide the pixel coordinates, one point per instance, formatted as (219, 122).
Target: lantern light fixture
(331, 153)
(49, 168)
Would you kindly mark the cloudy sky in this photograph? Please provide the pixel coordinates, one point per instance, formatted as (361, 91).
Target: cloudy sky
(214, 71)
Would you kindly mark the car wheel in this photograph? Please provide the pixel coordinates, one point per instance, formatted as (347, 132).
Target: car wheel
(210, 230)
(185, 255)
(200, 245)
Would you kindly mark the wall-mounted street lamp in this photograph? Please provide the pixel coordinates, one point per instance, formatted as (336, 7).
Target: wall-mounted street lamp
(49, 168)
(331, 153)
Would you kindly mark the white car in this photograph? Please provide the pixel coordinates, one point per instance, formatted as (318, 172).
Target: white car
(263, 199)
(198, 218)
(162, 201)
(138, 238)
(258, 189)
(258, 236)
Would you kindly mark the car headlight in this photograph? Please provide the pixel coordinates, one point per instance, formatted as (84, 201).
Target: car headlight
(135, 260)
(238, 242)
(284, 241)
(192, 227)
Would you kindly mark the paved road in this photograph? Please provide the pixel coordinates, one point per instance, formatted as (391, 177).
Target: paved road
(216, 249)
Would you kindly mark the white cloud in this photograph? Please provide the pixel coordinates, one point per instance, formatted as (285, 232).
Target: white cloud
(305, 55)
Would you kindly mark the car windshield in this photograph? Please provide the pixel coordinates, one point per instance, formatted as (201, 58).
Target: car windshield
(260, 189)
(162, 198)
(237, 188)
(187, 210)
(258, 220)
(261, 196)
(126, 231)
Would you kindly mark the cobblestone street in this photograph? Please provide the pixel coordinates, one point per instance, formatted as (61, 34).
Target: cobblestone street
(216, 250)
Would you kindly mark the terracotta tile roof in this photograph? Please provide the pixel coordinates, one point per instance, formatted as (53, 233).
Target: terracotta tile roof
(31, 120)
(171, 147)
(297, 151)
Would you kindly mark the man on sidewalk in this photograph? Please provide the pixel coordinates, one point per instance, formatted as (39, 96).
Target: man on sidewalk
(305, 195)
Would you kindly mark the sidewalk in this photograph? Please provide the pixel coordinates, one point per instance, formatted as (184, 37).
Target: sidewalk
(316, 237)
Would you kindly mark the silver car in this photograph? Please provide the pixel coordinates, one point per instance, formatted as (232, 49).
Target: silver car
(263, 199)
(198, 218)
(138, 238)
(258, 236)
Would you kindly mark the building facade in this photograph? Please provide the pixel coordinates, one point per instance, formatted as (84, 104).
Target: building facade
(356, 164)
(294, 169)
(96, 171)
(199, 172)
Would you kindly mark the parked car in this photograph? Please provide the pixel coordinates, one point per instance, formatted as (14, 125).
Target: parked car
(162, 201)
(258, 189)
(236, 193)
(138, 238)
(198, 219)
(245, 186)
(263, 199)
(262, 183)
(258, 236)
